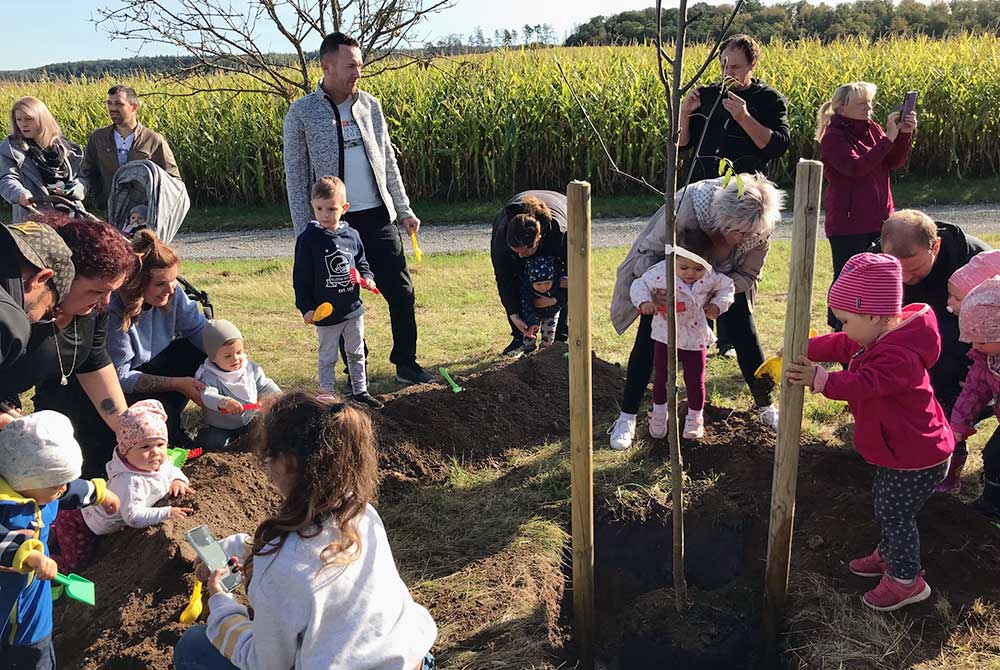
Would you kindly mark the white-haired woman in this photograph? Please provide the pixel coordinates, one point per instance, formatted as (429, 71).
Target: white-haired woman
(734, 233)
(857, 158)
(36, 160)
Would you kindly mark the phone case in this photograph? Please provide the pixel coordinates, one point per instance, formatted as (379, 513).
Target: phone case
(212, 555)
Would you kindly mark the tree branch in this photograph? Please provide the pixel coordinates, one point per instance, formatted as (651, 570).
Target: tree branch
(713, 52)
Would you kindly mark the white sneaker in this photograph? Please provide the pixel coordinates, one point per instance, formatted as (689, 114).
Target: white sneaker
(622, 433)
(694, 425)
(658, 422)
(769, 416)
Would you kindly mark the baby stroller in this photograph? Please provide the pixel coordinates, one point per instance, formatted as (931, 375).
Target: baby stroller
(167, 203)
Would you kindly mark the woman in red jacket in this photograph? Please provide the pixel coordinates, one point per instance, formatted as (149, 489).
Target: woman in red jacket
(857, 157)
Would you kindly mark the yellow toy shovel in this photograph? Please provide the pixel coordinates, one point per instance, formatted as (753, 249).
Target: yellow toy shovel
(416, 247)
(771, 367)
(193, 609)
(323, 310)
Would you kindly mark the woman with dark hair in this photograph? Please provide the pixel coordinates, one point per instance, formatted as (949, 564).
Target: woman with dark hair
(36, 160)
(532, 223)
(155, 340)
(65, 359)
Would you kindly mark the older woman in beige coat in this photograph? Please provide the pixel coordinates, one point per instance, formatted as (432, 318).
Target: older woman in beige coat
(734, 233)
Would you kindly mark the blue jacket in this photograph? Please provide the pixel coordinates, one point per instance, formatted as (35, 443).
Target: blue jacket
(323, 260)
(25, 602)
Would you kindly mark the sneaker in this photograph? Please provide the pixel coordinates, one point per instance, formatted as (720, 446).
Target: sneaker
(515, 348)
(658, 422)
(694, 426)
(529, 345)
(622, 433)
(727, 352)
(769, 416)
(871, 565)
(412, 374)
(890, 594)
(952, 484)
(367, 400)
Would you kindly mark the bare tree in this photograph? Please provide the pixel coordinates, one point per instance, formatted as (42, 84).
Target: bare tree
(219, 38)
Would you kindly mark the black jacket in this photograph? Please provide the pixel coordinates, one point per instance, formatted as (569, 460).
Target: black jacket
(15, 326)
(725, 138)
(323, 260)
(507, 266)
(956, 250)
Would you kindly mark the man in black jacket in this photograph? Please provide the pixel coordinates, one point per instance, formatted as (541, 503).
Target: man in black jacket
(929, 252)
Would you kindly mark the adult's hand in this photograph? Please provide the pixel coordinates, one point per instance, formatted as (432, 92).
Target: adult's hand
(736, 106)
(25, 200)
(543, 301)
(518, 323)
(892, 126)
(660, 297)
(691, 102)
(190, 387)
(909, 123)
(412, 225)
(8, 414)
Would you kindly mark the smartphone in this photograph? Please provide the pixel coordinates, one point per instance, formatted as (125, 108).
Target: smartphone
(213, 555)
(909, 104)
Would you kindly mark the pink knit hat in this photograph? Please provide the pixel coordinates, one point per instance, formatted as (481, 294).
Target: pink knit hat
(143, 420)
(869, 284)
(979, 320)
(982, 266)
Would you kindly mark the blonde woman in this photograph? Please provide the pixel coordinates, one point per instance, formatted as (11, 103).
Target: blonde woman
(36, 160)
(857, 158)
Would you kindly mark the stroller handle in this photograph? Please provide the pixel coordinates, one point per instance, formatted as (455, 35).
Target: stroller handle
(75, 209)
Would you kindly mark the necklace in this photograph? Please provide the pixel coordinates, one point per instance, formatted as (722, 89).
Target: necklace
(63, 381)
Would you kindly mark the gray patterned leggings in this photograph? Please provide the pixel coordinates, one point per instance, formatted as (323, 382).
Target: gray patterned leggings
(899, 495)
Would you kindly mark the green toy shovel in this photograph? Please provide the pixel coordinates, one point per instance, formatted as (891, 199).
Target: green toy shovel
(77, 587)
(451, 382)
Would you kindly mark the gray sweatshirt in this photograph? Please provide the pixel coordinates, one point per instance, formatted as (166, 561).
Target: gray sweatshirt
(313, 149)
(216, 390)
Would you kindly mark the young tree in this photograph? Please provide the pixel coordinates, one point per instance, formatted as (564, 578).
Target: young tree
(221, 38)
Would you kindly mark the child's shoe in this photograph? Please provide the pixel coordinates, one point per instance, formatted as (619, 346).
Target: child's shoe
(871, 565)
(694, 425)
(529, 345)
(658, 422)
(952, 484)
(769, 416)
(622, 432)
(367, 400)
(892, 594)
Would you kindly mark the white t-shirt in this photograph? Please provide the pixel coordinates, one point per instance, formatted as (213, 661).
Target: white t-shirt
(123, 145)
(362, 191)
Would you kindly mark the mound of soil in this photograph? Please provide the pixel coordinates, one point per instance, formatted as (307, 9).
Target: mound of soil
(143, 577)
(726, 541)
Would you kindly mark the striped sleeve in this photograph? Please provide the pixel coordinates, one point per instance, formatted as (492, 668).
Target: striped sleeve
(15, 547)
(82, 492)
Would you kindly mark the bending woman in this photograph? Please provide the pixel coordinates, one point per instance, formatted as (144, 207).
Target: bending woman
(736, 230)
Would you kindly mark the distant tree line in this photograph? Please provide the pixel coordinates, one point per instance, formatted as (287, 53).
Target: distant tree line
(796, 20)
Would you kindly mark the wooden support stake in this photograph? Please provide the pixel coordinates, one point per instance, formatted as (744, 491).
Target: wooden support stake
(808, 180)
(581, 429)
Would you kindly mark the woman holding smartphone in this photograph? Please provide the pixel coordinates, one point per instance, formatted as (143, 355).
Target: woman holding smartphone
(858, 156)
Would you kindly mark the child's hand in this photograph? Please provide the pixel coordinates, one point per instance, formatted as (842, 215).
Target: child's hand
(369, 284)
(647, 308)
(230, 406)
(214, 580)
(564, 282)
(533, 330)
(308, 316)
(45, 568)
(712, 312)
(180, 512)
(179, 487)
(111, 502)
(802, 372)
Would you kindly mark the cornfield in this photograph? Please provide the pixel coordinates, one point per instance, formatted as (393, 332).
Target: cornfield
(489, 126)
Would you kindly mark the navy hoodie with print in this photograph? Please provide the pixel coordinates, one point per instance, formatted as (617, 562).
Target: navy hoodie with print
(323, 261)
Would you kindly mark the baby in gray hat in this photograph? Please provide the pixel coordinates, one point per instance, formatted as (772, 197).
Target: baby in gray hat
(234, 386)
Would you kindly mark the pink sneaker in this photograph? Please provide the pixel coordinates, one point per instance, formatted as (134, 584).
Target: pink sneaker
(694, 425)
(658, 422)
(891, 595)
(869, 566)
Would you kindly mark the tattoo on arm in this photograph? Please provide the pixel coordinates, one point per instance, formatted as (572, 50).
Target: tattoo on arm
(153, 384)
(108, 406)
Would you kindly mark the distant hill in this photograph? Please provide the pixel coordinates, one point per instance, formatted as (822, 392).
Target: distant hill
(124, 67)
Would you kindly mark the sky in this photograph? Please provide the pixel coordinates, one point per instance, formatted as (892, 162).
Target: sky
(53, 31)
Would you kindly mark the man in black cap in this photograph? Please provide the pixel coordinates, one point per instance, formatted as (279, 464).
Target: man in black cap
(36, 272)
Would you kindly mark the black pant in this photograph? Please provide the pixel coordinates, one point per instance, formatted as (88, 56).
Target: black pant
(737, 322)
(384, 251)
(991, 458)
(38, 656)
(842, 247)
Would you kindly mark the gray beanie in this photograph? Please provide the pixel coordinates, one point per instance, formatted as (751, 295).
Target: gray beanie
(141, 210)
(39, 451)
(217, 333)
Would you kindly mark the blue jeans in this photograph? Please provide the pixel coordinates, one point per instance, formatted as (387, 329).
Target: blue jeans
(195, 652)
(38, 656)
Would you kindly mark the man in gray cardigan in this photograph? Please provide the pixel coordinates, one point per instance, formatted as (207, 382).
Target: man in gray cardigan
(340, 131)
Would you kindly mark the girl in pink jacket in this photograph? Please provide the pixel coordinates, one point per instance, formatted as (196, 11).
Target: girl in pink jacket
(898, 424)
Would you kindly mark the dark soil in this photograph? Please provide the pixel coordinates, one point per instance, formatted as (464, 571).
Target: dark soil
(143, 577)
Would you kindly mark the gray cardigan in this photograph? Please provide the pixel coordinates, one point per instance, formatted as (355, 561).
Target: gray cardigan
(312, 150)
(19, 175)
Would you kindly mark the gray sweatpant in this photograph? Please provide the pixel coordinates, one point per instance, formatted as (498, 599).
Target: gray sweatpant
(353, 331)
(899, 495)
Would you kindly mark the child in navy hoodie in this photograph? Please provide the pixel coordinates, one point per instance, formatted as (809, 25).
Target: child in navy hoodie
(327, 254)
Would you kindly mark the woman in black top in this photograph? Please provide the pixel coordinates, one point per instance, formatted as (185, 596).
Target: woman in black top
(532, 222)
(65, 360)
(36, 160)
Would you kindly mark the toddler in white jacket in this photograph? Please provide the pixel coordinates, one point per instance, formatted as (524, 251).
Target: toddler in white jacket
(140, 473)
(701, 294)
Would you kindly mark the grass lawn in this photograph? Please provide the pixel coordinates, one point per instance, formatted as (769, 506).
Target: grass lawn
(514, 511)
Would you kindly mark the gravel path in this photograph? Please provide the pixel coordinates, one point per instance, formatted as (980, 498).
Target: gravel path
(975, 219)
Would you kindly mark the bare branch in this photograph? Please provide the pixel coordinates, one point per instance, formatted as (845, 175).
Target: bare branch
(614, 165)
(714, 51)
